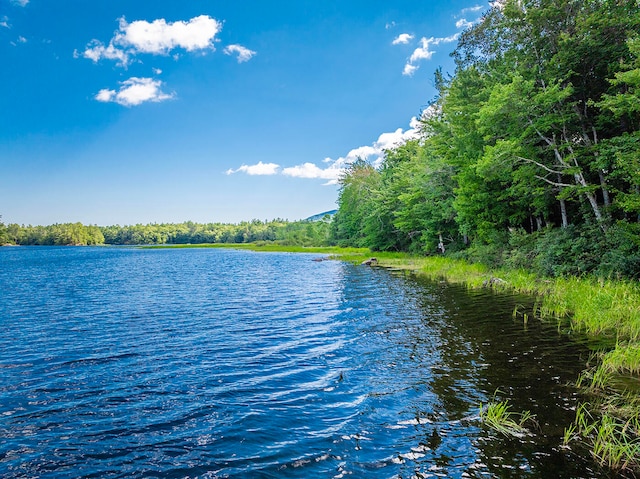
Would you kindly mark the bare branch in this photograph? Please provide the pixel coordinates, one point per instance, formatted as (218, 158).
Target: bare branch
(554, 183)
(544, 167)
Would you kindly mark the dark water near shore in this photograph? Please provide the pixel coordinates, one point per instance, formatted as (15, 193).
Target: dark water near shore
(119, 362)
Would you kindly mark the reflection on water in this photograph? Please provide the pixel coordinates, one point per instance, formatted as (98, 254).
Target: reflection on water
(120, 362)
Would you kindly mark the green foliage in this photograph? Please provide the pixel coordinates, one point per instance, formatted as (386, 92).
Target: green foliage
(301, 233)
(615, 440)
(529, 156)
(356, 200)
(55, 235)
(498, 416)
(4, 236)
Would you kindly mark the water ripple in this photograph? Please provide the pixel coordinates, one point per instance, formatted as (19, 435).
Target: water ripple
(119, 362)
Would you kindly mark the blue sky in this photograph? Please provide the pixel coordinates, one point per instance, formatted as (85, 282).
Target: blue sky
(136, 111)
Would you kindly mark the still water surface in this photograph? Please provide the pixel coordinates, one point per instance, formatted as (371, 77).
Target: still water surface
(119, 362)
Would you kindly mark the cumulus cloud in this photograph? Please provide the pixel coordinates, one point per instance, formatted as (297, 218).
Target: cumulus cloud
(402, 39)
(335, 168)
(259, 169)
(310, 170)
(425, 49)
(244, 54)
(4, 22)
(135, 91)
(158, 37)
(425, 52)
(409, 69)
(96, 50)
(373, 153)
(464, 23)
(20, 3)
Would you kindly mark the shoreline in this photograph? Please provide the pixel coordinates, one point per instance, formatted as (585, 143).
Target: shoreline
(606, 311)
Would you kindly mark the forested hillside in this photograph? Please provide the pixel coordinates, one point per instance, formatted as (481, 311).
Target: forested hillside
(529, 156)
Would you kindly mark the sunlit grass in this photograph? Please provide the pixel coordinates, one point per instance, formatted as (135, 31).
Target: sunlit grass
(615, 440)
(498, 416)
(604, 310)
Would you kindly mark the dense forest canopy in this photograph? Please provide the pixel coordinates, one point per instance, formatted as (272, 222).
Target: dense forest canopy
(529, 157)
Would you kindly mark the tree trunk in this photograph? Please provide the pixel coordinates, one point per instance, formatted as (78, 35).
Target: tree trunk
(605, 190)
(563, 208)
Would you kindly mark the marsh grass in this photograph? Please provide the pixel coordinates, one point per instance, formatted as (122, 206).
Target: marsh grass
(606, 311)
(498, 416)
(614, 439)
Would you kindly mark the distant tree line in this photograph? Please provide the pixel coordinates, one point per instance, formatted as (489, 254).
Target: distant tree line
(302, 233)
(530, 154)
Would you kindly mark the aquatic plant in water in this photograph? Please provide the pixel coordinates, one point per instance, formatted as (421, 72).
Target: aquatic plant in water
(614, 437)
(498, 416)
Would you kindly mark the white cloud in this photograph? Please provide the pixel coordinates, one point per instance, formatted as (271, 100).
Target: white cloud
(19, 40)
(156, 38)
(310, 170)
(160, 37)
(373, 153)
(474, 9)
(258, 169)
(244, 54)
(135, 91)
(409, 69)
(20, 3)
(464, 23)
(4, 22)
(96, 50)
(157, 71)
(425, 52)
(402, 39)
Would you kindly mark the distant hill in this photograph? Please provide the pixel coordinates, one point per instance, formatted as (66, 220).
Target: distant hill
(319, 216)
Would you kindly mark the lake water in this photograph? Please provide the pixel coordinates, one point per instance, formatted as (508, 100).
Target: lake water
(123, 362)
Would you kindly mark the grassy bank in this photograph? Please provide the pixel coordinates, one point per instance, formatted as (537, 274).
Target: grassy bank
(270, 247)
(605, 310)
